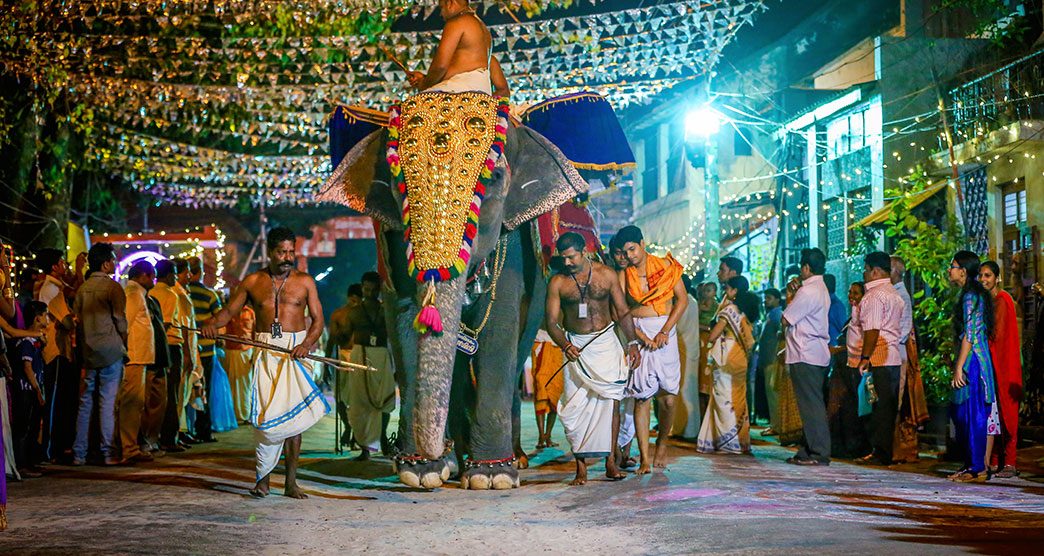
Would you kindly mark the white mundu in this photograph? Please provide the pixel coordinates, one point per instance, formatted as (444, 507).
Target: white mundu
(370, 394)
(285, 400)
(474, 80)
(592, 383)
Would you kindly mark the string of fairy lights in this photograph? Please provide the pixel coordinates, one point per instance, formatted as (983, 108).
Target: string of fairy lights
(199, 118)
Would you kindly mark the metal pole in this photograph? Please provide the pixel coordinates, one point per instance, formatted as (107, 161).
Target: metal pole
(712, 202)
(264, 233)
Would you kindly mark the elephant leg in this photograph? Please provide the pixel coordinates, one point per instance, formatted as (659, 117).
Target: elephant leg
(461, 407)
(531, 319)
(491, 464)
(406, 339)
(429, 467)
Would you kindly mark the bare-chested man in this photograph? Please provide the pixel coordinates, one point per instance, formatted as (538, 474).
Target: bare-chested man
(464, 58)
(339, 344)
(286, 402)
(371, 395)
(597, 372)
(657, 298)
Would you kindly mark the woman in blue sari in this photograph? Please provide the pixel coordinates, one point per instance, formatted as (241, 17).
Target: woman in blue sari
(973, 380)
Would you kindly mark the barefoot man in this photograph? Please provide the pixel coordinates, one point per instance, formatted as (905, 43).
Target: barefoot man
(286, 402)
(464, 58)
(657, 297)
(596, 375)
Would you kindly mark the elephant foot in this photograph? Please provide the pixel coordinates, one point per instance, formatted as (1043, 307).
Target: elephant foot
(421, 472)
(497, 474)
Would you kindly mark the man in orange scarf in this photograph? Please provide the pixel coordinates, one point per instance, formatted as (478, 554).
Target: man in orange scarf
(657, 298)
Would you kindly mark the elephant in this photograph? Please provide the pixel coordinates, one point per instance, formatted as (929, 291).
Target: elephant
(472, 397)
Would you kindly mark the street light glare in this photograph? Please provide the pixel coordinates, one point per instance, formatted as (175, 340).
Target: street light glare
(702, 122)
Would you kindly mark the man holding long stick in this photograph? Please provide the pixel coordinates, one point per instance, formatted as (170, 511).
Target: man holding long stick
(597, 371)
(286, 401)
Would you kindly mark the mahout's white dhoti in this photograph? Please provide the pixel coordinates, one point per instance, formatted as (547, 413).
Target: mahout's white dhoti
(370, 394)
(660, 369)
(285, 401)
(591, 384)
(474, 80)
(687, 418)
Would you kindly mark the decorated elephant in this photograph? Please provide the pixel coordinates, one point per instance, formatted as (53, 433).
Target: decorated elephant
(455, 190)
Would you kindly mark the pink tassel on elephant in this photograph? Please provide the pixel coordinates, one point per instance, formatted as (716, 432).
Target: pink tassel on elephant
(429, 320)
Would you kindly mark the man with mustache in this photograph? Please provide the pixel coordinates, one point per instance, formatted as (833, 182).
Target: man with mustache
(579, 311)
(286, 401)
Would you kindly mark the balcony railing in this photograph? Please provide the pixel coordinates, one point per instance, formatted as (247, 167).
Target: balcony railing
(1006, 95)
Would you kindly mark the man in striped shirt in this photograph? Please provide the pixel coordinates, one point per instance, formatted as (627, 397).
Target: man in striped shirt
(206, 304)
(880, 317)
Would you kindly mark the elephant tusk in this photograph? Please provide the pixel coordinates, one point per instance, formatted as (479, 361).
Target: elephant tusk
(527, 183)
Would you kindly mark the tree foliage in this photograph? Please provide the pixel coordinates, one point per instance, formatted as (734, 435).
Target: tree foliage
(927, 250)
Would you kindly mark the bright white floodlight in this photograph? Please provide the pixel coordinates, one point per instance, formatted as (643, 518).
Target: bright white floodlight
(702, 122)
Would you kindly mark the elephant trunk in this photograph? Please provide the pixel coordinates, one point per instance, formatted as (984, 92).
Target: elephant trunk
(436, 357)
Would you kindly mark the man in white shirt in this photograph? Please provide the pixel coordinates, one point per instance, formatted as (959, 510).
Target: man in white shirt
(141, 352)
(806, 322)
(61, 377)
(898, 271)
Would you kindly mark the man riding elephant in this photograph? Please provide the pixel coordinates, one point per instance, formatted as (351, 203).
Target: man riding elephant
(454, 190)
(464, 58)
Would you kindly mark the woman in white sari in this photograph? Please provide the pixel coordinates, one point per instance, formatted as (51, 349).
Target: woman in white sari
(726, 424)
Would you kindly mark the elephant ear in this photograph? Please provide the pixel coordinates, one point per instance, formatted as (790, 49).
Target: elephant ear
(541, 177)
(362, 182)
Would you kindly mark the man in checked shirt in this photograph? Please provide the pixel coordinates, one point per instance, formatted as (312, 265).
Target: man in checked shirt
(880, 317)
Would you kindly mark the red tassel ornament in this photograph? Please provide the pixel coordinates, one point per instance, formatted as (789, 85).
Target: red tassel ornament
(429, 320)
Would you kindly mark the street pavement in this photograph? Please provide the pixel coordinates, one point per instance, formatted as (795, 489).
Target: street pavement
(197, 503)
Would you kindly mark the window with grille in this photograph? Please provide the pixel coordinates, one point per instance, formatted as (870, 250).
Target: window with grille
(1014, 200)
(836, 227)
(1014, 208)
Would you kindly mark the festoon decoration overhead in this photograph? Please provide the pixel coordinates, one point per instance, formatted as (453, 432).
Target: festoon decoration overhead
(203, 102)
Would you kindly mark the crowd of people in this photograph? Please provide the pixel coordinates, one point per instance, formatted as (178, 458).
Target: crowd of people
(837, 380)
(95, 372)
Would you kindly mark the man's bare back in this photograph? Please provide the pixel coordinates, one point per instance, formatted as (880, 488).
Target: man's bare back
(466, 45)
(474, 46)
(339, 329)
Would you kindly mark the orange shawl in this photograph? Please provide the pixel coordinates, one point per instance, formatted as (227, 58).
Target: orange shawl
(661, 274)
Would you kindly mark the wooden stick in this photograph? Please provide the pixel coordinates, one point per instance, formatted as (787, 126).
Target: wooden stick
(342, 365)
(611, 326)
(389, 54)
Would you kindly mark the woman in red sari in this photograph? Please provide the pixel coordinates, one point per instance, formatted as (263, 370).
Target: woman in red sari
(1006, 352)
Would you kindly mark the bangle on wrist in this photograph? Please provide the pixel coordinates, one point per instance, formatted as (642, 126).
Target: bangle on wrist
(634, 342)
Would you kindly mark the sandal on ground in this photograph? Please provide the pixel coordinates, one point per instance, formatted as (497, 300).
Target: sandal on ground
(954, 475)
(969, 477)
(1007, 472)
